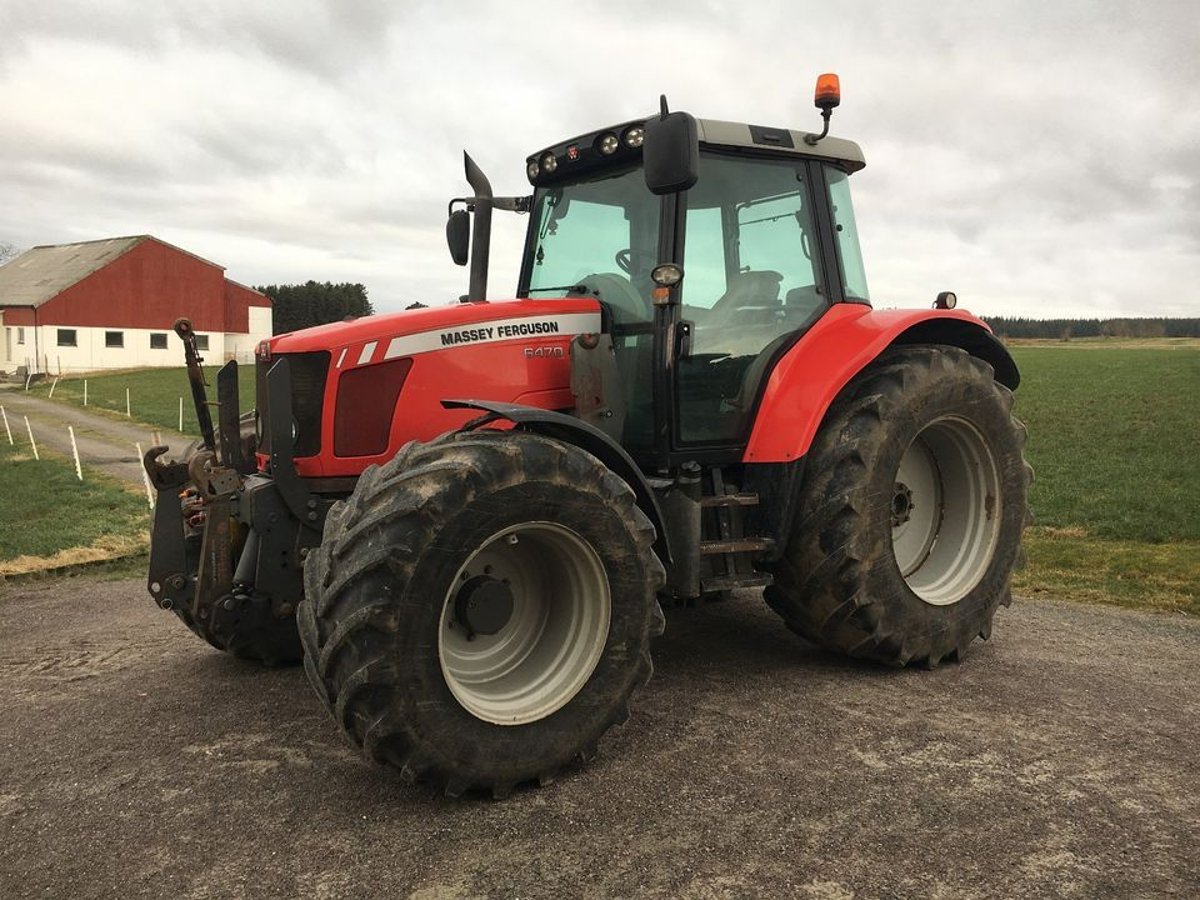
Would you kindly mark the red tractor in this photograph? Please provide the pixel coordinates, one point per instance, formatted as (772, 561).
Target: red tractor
(463, 518)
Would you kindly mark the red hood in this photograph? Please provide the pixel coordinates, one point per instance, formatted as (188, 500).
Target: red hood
(415, 321)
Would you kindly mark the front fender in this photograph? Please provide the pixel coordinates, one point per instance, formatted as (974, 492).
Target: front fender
(846, 339)
(570, 430)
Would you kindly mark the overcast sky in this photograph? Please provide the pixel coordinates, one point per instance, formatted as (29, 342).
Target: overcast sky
(1040, 159)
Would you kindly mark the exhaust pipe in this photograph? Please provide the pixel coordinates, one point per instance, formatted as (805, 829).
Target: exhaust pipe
(481, 234)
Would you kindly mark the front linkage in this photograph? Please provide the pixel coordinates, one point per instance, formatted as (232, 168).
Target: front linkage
(227, 545)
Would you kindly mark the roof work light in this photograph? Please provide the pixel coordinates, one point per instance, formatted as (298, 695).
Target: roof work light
(827, 95)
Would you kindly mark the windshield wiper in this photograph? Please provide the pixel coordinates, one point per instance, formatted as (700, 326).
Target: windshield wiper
(570, 288)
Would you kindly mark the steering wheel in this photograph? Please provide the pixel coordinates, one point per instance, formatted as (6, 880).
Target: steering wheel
(628, 259)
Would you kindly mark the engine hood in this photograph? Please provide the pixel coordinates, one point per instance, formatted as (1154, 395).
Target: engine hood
(460, 322)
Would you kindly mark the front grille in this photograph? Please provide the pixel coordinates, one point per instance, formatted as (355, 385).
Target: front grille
(309, 371)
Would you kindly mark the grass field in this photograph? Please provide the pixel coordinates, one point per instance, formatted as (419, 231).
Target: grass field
(1114, 437)
(154, 394)
(48, 518)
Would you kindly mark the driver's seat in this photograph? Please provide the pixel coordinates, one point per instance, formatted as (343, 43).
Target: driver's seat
(759, 288)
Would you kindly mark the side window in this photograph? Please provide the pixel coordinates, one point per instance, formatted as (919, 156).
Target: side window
(854, 276)
(202, 342)
(114, 339)
(20, 335)
(67, 337)
(705, 280)
(158, 340)
(752, 283)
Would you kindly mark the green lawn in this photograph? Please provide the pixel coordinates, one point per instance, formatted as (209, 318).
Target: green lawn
(49, 518)
(154, 394)
(1114, 434)
(1114, 438)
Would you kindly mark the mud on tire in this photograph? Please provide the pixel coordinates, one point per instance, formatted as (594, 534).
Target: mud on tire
(840, 582)
(380, 613)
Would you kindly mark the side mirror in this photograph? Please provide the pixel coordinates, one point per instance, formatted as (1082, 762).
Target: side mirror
(671, 152)
(458, 235)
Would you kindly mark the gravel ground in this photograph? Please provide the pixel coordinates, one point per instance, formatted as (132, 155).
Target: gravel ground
(1058, 761)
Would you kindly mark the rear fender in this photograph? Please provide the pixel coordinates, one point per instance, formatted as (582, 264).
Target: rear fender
(845, 340)
(587, 437)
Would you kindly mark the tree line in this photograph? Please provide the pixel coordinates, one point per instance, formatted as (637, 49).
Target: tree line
(299, 306)
(1065, 329)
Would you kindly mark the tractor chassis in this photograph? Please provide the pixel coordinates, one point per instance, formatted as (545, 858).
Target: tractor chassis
(224, 538)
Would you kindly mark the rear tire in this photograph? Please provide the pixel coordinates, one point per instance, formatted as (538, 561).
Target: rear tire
(911, 512)
(409, 666)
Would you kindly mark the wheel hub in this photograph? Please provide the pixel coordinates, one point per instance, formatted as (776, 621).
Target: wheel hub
(524, 623)
(944, 511)
(484, 605)
(902, 504)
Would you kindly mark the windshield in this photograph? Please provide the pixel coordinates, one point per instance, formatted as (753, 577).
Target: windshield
(597, 237)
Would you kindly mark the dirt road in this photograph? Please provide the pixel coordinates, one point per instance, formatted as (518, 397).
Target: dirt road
(104, 443)
(1058, 761)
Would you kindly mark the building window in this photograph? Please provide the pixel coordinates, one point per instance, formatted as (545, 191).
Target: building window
(20, 334)
(158, 340)
(202, 342)
(67, 337)
(114, 339)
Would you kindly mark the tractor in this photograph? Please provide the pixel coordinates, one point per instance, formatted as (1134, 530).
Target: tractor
(465, 518)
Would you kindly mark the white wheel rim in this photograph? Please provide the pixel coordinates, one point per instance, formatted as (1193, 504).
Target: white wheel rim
(548, 648)
(946, 511)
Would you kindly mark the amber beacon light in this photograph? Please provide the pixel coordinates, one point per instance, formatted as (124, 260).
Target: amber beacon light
(827, 95)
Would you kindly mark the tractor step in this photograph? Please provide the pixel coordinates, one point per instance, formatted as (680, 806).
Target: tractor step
(735, 581)
(737, 545)
(730, 500)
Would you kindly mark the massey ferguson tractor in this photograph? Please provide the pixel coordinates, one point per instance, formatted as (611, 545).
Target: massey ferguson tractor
(463, 518)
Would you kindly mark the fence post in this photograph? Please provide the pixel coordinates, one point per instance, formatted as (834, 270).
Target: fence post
(145, 477)
(75, 452)
(52, 387)
(7, 430)
(85, 392)
(128, 414)
(32, 442)
(181, 415)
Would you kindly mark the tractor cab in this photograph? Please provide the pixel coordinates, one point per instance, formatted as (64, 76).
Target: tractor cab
(760, 221)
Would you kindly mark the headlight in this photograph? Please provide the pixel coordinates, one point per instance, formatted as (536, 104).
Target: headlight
(532, 170)
(549, 163)
(635, 136)
(608, 144)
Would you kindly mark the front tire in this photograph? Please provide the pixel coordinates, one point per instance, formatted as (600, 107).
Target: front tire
(911, 512)
(480, 610)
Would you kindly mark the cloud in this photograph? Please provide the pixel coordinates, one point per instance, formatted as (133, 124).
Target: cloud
(1038, 158)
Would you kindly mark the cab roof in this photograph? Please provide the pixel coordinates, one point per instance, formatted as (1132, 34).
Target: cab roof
(567, 159)
(757, 137)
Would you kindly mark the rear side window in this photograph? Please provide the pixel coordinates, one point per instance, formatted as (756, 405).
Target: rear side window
(854, 276)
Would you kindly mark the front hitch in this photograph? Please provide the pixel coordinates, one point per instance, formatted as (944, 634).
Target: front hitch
(192, 538)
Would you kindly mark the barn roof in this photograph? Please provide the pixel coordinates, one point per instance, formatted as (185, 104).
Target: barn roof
(41, 274)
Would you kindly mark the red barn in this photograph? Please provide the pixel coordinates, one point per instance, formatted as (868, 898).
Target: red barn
(110, 304)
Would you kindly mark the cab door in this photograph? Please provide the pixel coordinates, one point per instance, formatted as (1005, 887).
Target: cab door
(754, 284)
